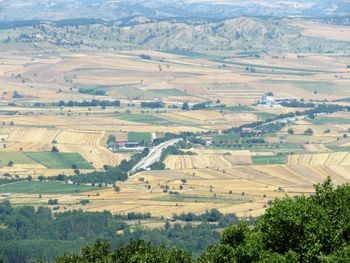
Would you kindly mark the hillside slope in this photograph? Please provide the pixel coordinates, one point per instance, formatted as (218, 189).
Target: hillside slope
(241, 34)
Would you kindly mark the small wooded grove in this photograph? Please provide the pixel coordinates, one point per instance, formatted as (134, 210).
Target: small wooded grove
(303, 229)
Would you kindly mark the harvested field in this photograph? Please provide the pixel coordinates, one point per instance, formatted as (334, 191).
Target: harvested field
(239, 182)
(250, 186)
(315, 148)
(238, 160)
(79, 138)
(30, 135)
(195, 161)
(329, 159)
(240, 118)
(96, 155)
(316, 139)
(28, 147)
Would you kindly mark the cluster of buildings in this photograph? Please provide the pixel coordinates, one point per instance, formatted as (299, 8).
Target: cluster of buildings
(114, 146)
(251, 130)
(271, 101)
(208, 139)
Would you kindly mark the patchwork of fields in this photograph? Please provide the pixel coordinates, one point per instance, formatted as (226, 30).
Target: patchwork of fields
(232, 174)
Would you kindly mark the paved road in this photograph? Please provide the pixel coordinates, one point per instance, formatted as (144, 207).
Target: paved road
(154, 155)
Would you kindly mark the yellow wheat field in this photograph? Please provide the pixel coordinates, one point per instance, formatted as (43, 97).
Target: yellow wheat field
(241, 117)
(315, 148)
(79, 137)
(36, 135)
(206, 158)
(96, 155)
(339, 158)
(195, 161)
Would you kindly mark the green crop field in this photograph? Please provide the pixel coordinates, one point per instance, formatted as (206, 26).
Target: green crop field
(59, 160)
(329, 120)
(93, 86)
(273, 159)
(127, 90)
(264, 115)
(131, 91)
(143, 118)
(288, 145)
(36, 187)
(16, 157)
(140, 137)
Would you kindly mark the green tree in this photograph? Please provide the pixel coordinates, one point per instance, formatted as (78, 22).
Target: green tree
(111, 139)
(54, 149)
(100, 252)
(308, 132)
(135, 251)
(290, 131)
(185, 106)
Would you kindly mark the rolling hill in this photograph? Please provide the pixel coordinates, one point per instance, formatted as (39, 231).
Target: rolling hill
(241, 34)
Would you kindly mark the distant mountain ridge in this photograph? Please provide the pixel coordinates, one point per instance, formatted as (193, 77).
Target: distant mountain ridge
(11, 10)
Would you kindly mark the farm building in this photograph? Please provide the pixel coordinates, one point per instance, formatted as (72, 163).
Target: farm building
(258, 132)
(267, 100)
(208, 139)
(127, 144)
(247, 130)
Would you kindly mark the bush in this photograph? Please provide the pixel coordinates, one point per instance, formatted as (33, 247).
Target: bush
(52, 202)
(309, 132)
(84, 201)
(54, 149)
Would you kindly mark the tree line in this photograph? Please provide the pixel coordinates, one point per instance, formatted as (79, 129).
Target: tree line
(29, 233)
(274, 124)
(92, 103)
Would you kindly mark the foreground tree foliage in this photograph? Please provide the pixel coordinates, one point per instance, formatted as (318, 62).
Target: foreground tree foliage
(304, 229)
(135, 251)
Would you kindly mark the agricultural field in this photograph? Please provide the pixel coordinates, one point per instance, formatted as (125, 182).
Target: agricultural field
(169, 121)
(43, 188)
(272, 159)
(16, 157)
(232, 174)
(54, 160)
(145, 137)
(143, 118)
